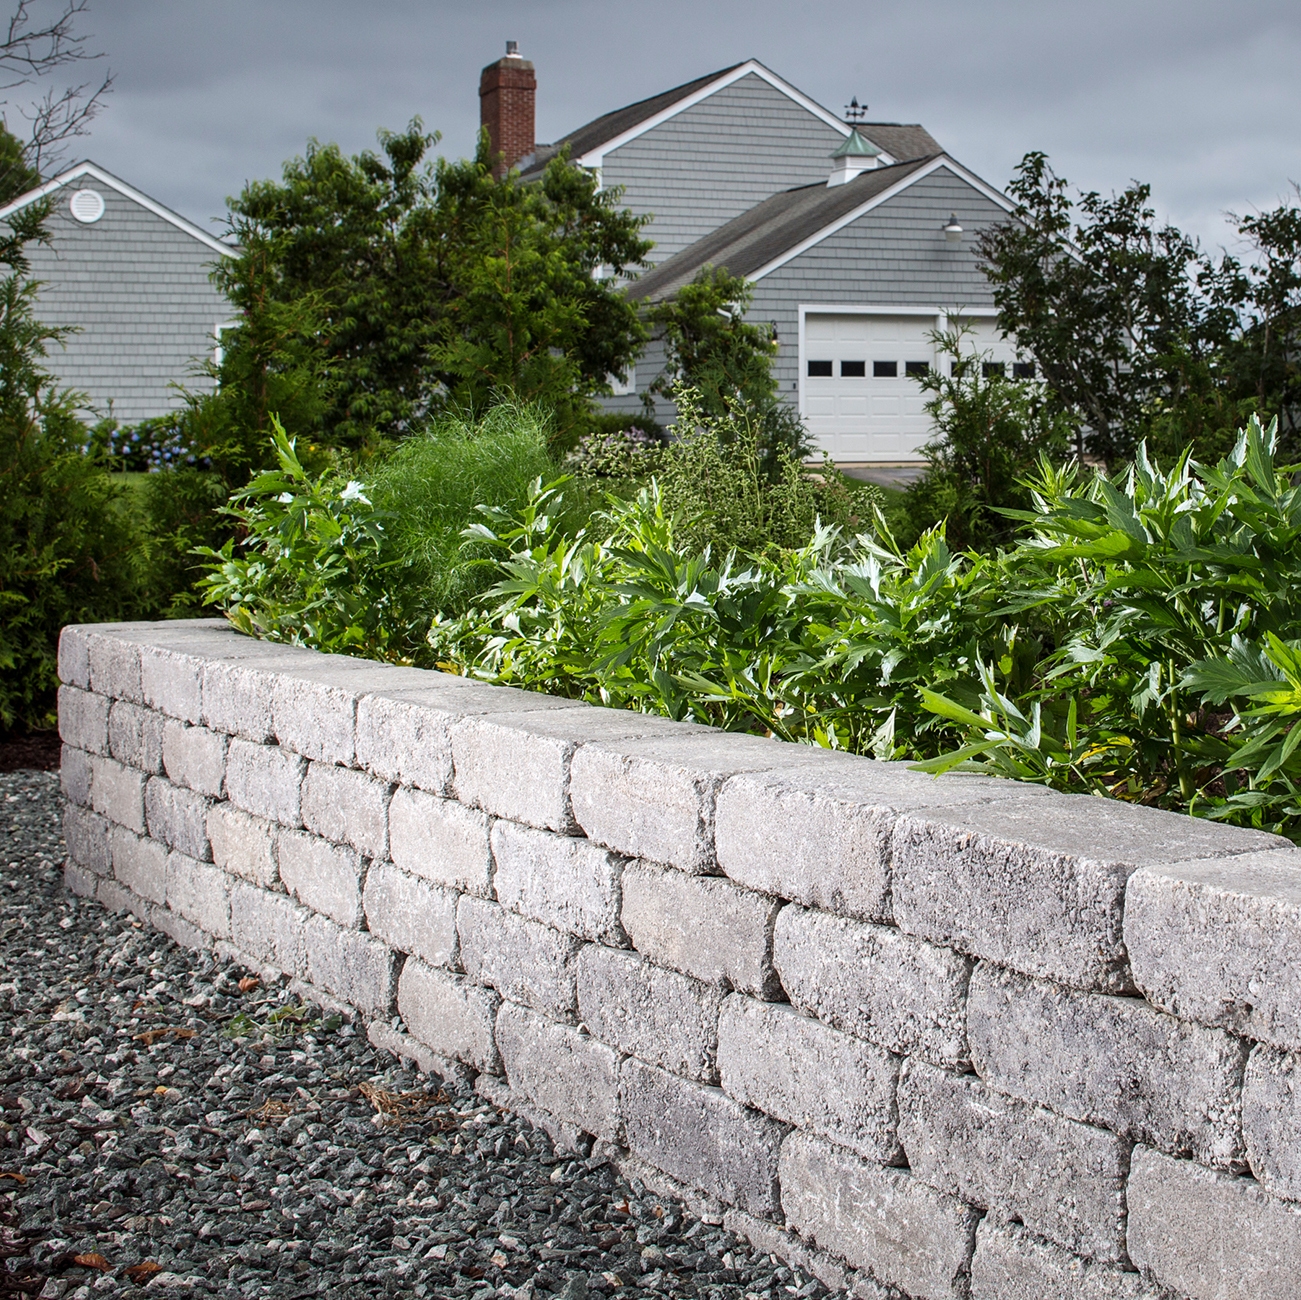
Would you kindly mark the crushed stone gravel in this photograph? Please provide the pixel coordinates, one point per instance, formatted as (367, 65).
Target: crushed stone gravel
(169, 1124)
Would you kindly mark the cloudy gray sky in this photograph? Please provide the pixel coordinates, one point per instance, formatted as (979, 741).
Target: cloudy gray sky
(1201, 99)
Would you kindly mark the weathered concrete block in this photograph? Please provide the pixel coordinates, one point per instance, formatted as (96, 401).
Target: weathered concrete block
(195, 757)
(118, 793)
(177, 928)
(768, 1238)
(139, 863)
(348, 807)
(1209, 1235)
(87, 836)
(326, 877)
(883, 1220)
(74, 775)
(135, 736)
(654, 798)
(237, 697)
(200, 893)
(406, 740)
(79, 881)
(806, 1074)
(563, 882)
(1061, 1178)
(268, 927)
(265, 780)
(411, 915)
(525, 961)
(874, 982)
(666, 1018)
(1037, 883)
(314, 718)
(1111, 1061)
(242, 844)
(450, 1015)
(353, 966)
(703, 926)
(74, 657)
(83, 719)
(118, 898)
(516, 765)
(1013, 1264)
(178, 817)
(441, 840)
(114, 665)
(1216, 941)
(568, 1074)
(702, 1137)
(171, 682)
(314, 704)
(1271, 1117)
(820, 835)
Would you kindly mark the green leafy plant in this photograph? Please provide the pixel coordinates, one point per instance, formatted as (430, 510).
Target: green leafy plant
(71, 546)
(991, 431)
(315, 565)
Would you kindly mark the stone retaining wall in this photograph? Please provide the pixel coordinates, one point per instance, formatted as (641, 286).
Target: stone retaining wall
(932, 1038)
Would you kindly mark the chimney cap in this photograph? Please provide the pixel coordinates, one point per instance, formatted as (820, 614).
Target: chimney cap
(512, 50)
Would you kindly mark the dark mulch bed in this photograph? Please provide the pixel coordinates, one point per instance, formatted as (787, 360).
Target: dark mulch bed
(38, 750)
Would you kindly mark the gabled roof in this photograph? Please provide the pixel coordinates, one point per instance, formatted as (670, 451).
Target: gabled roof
(611, 125)
(84, 170)
(783, 226)
(589, 144)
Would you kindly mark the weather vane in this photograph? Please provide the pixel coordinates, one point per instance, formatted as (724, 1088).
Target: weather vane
(854, 112)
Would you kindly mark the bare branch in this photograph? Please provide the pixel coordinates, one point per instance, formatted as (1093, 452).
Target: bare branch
(30, 52)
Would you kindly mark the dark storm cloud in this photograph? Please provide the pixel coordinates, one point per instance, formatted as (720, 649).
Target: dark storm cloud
(1201, 99)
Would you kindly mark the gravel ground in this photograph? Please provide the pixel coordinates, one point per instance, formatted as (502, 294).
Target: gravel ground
(169, 1123)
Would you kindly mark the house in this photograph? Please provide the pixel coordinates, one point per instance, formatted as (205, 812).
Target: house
(859, 238)
(131, 277)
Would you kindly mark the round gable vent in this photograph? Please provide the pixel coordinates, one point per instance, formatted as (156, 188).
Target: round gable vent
(86, 206)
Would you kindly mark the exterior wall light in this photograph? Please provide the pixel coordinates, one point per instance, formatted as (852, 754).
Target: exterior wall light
(953, 231)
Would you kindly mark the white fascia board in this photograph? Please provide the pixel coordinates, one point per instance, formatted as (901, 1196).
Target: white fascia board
(85, 169)
(888, 309)
(940, 160)
(596, 157)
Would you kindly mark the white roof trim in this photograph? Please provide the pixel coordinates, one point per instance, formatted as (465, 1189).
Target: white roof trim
(596, 157)
(88, 169)
(942, 160)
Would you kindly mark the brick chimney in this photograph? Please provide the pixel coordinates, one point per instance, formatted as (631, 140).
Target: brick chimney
(507, 90)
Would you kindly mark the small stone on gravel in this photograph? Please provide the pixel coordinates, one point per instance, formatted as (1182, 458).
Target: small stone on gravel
(164, 1131)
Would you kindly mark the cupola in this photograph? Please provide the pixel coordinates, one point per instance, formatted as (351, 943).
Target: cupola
(855, 156)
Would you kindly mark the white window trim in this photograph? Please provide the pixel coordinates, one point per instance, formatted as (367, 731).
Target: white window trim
(624, 385)
(219, 352)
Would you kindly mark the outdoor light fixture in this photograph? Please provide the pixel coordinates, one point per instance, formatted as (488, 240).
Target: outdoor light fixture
(953, 231)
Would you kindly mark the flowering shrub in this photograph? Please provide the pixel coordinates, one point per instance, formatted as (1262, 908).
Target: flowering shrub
(151, 445)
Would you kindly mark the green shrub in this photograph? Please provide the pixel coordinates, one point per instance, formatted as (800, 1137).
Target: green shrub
(431, 485)
(1142, 639)
(991, 431)
(316, 565)
(723, 481)
(71, 547)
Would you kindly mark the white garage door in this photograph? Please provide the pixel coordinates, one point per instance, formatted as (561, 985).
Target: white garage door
(858, 386)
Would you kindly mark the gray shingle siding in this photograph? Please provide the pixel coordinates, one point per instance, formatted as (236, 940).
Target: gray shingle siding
(137, 289)
(894, 254)
(713, 161)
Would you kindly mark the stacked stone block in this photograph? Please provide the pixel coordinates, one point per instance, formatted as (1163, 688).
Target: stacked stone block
(928, 1038)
